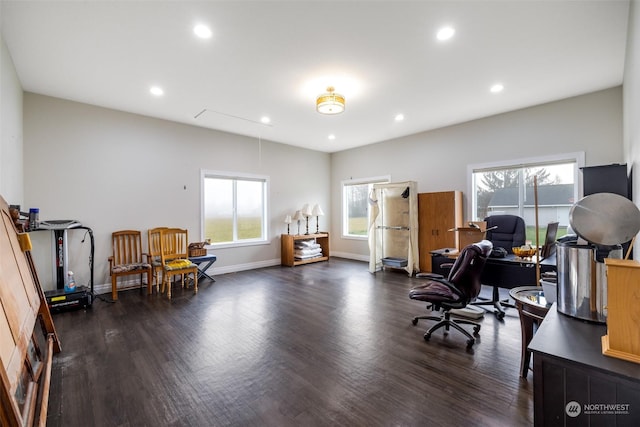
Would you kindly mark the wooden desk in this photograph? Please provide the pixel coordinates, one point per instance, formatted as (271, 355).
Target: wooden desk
(508, 272)
(568, 366)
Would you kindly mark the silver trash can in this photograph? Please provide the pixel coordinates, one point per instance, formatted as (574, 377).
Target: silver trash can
(582, 280)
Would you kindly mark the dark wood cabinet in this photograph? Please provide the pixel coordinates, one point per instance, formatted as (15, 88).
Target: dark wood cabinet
(574, 384)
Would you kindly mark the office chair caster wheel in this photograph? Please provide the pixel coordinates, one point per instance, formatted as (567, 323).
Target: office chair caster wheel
(476, 329)
(427, 336)
(499, 314)
(470, 342)
(415, 321)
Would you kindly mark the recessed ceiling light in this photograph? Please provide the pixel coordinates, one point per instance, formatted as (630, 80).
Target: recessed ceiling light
(266, 120)
(202, 31)
(332, 137)
(156, 90)
(445, 33)
(399, 117)
(497, 88)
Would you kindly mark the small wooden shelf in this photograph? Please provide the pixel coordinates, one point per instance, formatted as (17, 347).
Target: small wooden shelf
(288, 248)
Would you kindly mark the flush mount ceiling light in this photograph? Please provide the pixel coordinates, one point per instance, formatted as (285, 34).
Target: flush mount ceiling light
(202, 31)
(497, 88)
(445, 33)
(156, 90)
(330, 102)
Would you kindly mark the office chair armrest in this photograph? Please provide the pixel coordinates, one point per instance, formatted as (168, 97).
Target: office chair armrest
(429, 276)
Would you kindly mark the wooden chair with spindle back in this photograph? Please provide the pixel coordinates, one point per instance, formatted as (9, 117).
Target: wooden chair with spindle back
(127, 259)
(174, 256)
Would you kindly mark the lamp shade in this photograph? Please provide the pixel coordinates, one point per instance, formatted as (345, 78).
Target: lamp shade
(306, 210)
(298, 216)
(317, 211)
(287, 219)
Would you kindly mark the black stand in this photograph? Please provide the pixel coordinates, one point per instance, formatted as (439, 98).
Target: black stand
(83, 296)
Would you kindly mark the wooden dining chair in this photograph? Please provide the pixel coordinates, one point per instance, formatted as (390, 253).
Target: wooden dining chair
(174, 256)
(154, 250)
(127, 259)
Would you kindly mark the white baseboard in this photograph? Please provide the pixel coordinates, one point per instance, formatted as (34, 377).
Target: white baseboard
(212, 271)
(243, 267)
(348, 255)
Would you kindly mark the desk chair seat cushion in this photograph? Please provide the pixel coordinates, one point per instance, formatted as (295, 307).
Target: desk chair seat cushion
(434, 292)
(123, 268)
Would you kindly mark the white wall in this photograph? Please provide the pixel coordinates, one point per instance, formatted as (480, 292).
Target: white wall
(113, 170)
(632, 102)
(71, 153)
(10, 130)
(438, 159)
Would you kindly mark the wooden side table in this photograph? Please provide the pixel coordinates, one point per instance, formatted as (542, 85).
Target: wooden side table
(532, 308)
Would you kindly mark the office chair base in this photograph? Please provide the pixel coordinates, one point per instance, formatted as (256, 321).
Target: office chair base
(446, 322)
(496, 302)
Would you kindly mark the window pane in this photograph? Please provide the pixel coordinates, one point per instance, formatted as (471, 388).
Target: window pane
(250, 202)
(496, 191)
(356, 198)
(511, 191)
(234, 209)
(218, 210)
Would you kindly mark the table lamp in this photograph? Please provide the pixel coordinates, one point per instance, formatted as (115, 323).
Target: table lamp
(317, 212)
(287, 220)
(298, 217)
(306, 211)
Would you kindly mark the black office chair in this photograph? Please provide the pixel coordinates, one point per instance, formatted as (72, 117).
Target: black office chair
(509, 232)
(455, 292)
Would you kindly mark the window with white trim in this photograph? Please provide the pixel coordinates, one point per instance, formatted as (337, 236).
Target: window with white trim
(234, 208)
(511, 187)
(355, 205)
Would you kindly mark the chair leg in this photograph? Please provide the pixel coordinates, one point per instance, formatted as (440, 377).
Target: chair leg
(149, 284)
(159, 280)
(195, 281)
(114, 287)
(154, 277)
(415, 319)
(446, 322)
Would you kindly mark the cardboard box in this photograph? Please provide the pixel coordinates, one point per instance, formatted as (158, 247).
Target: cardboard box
(470, 235)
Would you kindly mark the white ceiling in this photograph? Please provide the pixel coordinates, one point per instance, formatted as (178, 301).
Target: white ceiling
(273, 58)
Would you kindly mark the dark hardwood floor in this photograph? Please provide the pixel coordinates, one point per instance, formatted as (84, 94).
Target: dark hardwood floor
(314, 345)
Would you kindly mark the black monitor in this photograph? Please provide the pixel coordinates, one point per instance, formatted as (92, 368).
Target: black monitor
(549, 247)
